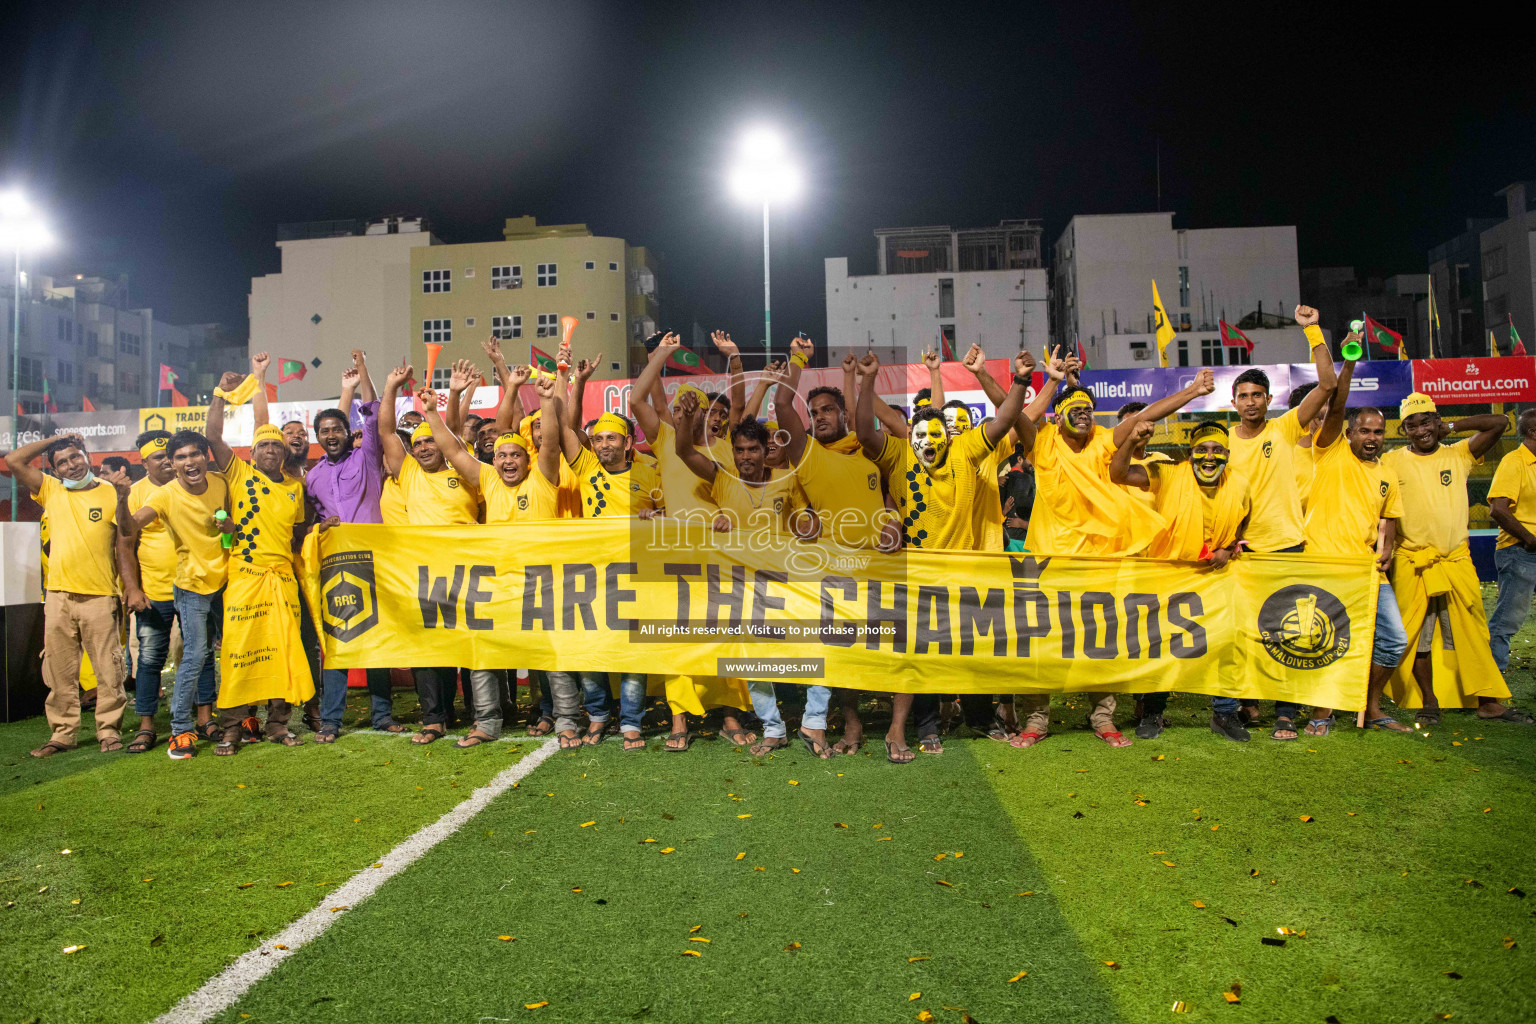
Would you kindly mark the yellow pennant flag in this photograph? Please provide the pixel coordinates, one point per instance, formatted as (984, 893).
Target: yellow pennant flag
(1164, 325)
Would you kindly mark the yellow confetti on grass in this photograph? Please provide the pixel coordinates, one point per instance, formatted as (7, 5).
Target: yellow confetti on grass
(743, 815)
(692, 952)
(885, 839)
(1215, 827)
(1231, 997)
(149, 879)
(588, 824)
(914, 997)
(1197, 904)
(742, 855)
(283, 885)
(507, 938)
(536, 1006)
(915, 959)
(925, 1016)
(1306, 817)
(838, 824)
(239, 785)
(344, 906)
(1180, 1006)
(644, 841)
(669, 849)
(759, 869)
(1016, 977)
(1170, 863)
(245, 885)
(941, 856)
(940, 881)
(695, 929)
(791, 947)
(794, 782)
(795, 870)
(700, 938)
(74, 949)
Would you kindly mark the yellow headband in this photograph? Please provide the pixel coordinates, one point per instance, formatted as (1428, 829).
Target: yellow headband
(510, 438)
(1210, 428)
(267, 432)
(609, 422)
(1416, 403)
(149, 448)
(242, 393)
(922, 402)
(1062, 406)
(421, 432)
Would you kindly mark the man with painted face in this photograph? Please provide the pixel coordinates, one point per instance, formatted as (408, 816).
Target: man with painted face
(1354, 510)
(843, 486)
(195, 510)
(80, 608)
(937, 480)
(1432, 571)
(1204, 505)
(346, 485)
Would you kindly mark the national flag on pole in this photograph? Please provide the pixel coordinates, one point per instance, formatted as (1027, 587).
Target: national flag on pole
(1234, 338)
(1516, 346)
(271, 393)
(87, 405)
(1082, 354)
(177, 399)
(540, 359)
(48, 403)
(290, 369)
(945, 352)
(686, 360)
(1383, 336)
(168, 377)
(1164, 326)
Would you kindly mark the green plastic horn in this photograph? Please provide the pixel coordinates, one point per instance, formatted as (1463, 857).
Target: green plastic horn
(1352, 350)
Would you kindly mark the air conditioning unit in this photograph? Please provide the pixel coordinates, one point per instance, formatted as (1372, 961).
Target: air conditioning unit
(1141, 355)
(501, 283)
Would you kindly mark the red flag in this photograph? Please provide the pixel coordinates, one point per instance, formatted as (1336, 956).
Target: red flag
(1234, 338)
(168, 377)
(87, 405)
(290, 369)
(19, 410)
(177, 398)
(1385, 337)
(271, 394)
(1519, 348)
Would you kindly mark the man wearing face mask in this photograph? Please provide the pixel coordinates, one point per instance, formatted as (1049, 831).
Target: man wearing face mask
(936, 481)
(1205, 506)
(81, 608)
(1432, 571)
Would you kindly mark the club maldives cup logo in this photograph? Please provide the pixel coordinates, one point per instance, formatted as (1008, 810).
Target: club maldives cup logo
(1302, 626)
(348, 600)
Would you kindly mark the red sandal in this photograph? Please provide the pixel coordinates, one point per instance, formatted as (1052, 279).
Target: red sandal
(1114, 739)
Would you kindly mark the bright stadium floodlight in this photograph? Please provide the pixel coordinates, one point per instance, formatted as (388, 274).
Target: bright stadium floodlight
(20, 229)
(764, 174)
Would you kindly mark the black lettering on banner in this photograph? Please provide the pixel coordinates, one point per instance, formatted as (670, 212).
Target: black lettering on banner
(1133, 605)
(761, 600)
(1068, 626)
(895, 614)
(732, 597)
(439, 598)
(539, 596)
(682, 570)
(617, 594)
(982, 616)
(850, 589)
(473, 595)
(580, 592)
(1023, 629)
(1110, 648)
(933, 620)
(1182, 608)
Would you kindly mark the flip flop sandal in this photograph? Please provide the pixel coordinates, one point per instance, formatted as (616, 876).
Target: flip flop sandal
(1284, 725)
(428, 734)
(1320, 726)
(999, 731)
(734, 737)
(140, 744)
(474, 739)
(1026, 739)
(594, 736)
(927, 744)
(111, 745)
(817, 748)
(634, 743)
(287, 739)
(50, 748)
(226, 748)
(890, 753)
(570, 742)
(767, 745)
(1389, 724)
(1113, 738)
(326, 735)
(847, 746)
(543, 727)
(1428, 717)
(1509, 715)
(394, 728)
(686, 737)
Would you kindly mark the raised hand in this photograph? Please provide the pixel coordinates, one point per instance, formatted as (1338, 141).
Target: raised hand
(850, 363)
(359, 357)
(932, 359)
(1306, 316)
(687, 409)
(328, 522)
(517, 376)
(1055, 366)
(259, 363)
(492, 347)
(1205, 381)
(1074, 365)
(669, 344)
(428, 398)
(724, 345)
(804, 346)
(975, 359)
(545, 386)
(1024, 363)
(1141, 430)
(350, 377)
(462, 375)
(869, 365)
(118, 478)
(777, 372)
(585, 368)
(398, 376)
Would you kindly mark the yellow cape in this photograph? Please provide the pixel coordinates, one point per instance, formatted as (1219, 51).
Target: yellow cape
(262, 657)
(1180, 502)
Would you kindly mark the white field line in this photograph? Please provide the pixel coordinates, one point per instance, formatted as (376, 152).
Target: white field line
(225, 988)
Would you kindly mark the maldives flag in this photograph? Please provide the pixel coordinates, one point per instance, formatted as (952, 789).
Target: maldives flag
(48, 402)
(1234, 338)
(168, 377)
(685, 360)
(1516, 346)
(290, 369)
(1082, 354)
(541, 360)
(1383, 336)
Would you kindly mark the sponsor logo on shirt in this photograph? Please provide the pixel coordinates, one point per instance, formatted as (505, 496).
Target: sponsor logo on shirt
(453, 481)
(874, 481)
(1445, 478)
(522, 502)
(1268, 448)
(94, 515)
(1384, 487)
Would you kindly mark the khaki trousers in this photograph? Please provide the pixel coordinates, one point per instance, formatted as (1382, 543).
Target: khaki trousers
(72, 623)
(1034, 712)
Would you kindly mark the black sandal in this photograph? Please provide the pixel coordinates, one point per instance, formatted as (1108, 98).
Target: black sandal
(733, 736)
(890, 753)
(633, 743)
(210, 731)
(1284, 725)
(139, 745)
(474, 739)
(595, 733)
(428, 734)
(686, 737)
(818, 748)
(767, 745)
(543, 727)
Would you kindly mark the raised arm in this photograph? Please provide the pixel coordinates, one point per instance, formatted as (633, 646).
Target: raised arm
(20, 462)
(1008, 412)
(128, 524)
(688, 413)
(509, 414)
(738, 388)
(646, 416)
(760, 390)
(1333, 423)
(870, 437)
(575, 424)
(935, 363)
(213, 429)
(1204, 384)
(461, 380)
(1122, 470)
(1490, 427)
(549, 428)
(364, 381)
(394, 452)
(784, 411)
(1318, 397)
(349, 379)
(259, 412)
(976, 361)
(459, 457)
(1055, 372)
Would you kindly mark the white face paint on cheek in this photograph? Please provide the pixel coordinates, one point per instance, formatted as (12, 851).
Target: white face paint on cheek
(928, 442)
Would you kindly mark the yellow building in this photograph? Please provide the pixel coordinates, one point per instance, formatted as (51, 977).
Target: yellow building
(518, 289)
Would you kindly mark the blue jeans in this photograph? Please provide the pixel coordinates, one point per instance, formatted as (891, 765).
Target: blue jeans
(153, 626)
(765, 705)
(817, 700)
(1517, 579)
(202, 624)
(595, 697)
(1392, 639)
(334, 696)
(631, 701)
(1157, 703)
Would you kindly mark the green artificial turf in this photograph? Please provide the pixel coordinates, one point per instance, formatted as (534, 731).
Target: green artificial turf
(158, 850)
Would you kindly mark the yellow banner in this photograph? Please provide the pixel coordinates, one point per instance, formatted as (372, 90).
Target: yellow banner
(666, 596)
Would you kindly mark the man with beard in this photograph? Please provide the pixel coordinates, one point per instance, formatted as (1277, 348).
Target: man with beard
(195, 510)
(937, 481)
(843, 486)
(1204, 506)
(80, 610)
(1354, 509)
(1432, 571)
(346, 486)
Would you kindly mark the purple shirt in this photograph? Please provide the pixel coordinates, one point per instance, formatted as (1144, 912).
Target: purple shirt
(349, 487)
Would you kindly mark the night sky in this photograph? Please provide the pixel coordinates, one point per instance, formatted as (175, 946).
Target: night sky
(168, 140)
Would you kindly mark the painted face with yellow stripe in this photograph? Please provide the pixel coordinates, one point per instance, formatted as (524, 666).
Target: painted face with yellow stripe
(957, 419)
(929, 440)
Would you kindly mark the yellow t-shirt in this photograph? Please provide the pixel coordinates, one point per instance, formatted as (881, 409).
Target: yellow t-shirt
(82, 537)
(766, 507)
(392, 504)
(437, 499)
(684, 491)
(1268, 463)
(845, 491)
(987, 513)
(1304, 465)
(1176, 542)
(615, 494)
(937, 506)
(266, 513)
(1434, 489)
(1349, 498)
(201, 561)
(1515, 479)
(157, 551)
(535, 498)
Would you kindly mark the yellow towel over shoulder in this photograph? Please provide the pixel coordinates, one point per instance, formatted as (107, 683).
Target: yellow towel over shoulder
(262, 657)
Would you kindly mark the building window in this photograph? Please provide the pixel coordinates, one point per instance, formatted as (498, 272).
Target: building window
(1183, 286)
(589, 265)
(440, 377)
(549, 325)
(433, 281)
(506, 277)
(66, 372)
(128, 382)
(946, 297)
(547, 273)
(91, 343)
(1183, 351)
(469, 321)
(469, 271)
(614, 317)
(92, 383)
(506, 327)
(66, 330)
(591, 314)
(31, 374)
(613, 266)
(1238, 356)
(436, 331)
(1210, 351)
(1394, 323)
(1495, 263)
(128, 344)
